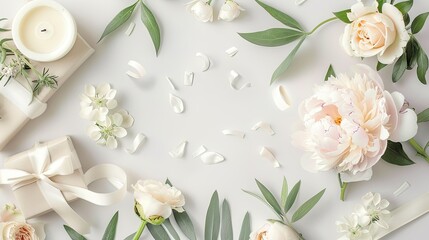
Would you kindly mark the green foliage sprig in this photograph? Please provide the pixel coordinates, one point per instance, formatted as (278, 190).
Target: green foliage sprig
(109, 233)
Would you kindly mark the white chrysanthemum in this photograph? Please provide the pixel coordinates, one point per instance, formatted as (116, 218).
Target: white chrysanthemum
(96, 102)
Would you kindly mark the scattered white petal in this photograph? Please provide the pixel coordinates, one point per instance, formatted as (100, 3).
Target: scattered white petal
(177, 104)
(130, 29)
(270, 156)
(299, 2)
(234, 81)
(188, 78)
(263, 126)
(235, 133)
(139, 73)
(401, 189)
(138, 140)
(171, 83)
(178, 151)
(199, 151)
(205, 61)
(231, 51)
(211, 158)
(281, 98)
(349, 177)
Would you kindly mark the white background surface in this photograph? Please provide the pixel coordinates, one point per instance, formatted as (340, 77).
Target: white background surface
(211, 106)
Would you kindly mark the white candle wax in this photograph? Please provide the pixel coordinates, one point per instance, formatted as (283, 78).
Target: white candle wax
(44, 31)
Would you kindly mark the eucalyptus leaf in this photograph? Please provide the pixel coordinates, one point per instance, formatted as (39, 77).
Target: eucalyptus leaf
(212, 224)
(226, 230)
(287, 62)
(423, 116)
(330, 73)
(273, 37)
(285, 192)
(380, 4)
(158, 232)
(262, 200)
(307, 206)
(269, 197)
(399, 67)
(419, 22)
(281, 16)
(185, 224)
(380, 66)
(118, 20)
(167, 224)
(342, 15)
(245, 228)
(110, 232)
(396, 155)
(422, 65)
(404, 6)
(412, 49)
(292, 196)
(152, 26)
(73, 234)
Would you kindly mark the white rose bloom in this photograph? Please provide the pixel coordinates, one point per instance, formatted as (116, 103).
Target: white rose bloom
(373, 33)
(230, 11)
(96, 102)
(274, 231)
(201, 10)
(156, 200)
(14, 227)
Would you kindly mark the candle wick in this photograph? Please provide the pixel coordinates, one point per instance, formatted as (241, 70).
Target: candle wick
(43, 30)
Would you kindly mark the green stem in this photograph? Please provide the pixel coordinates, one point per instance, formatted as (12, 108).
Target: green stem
(420, 150)
(343, 191)
(321, 24)
(140, 231)
(209, 2)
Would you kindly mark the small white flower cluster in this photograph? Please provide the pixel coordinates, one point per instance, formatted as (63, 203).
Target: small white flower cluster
(10, 70)
(109, 123)
(203, 10)
(367, 218)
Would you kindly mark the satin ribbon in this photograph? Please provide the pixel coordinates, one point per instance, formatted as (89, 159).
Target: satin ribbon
(44, 169)
(23, 99)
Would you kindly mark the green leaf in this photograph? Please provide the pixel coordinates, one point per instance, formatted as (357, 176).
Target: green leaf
(399, 68)
(152, 26)
(211, 231)
(269, 197)
(185, 224)
(422, 65)
(342, 15)
(419, 22)
(407, 19)
(167, 224)
(262, 200)
(423, 116)
(404, 7)
(412, 50)
(287, 62)
(285, 192)
(380, 66)
(130, 237)
(226, 230)
(118, 20)
(330, 73)
(273, 37)
(380, 4)
(245, 228)
(110, 232)
(396, 155)
(281, 16)
(158, 232)
(307, 206)
(292, 196)
(73, 234)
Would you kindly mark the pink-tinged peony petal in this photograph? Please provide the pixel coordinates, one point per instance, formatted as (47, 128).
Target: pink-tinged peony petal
(309, 164)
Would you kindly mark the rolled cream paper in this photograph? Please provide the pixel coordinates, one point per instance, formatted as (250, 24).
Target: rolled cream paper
(280, 97)
(44, 31)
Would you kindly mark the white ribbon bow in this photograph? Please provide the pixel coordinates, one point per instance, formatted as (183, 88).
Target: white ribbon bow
(44, 169)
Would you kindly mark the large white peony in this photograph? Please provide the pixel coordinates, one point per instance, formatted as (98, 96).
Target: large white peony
(348, 121)
(373, 33)
(274, 231)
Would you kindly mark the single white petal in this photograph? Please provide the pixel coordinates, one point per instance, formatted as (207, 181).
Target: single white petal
(111, 142)
(267, 154)
(119, 132)
(211, 158)
(204, 60)
(235, 133)
(406, 128)
(299, 2)
(93, 132)
(358, 177)
(139, 71)
(103, 89)
(111, 104)
(117, 119)
(401, 189)
(202, 149)
(170, 82)
(188, 78)
(130, 29)
(263, 126)
(234, 78)
(177, 104)
(281, 98)
(137, 142)
(179, 150)
(232, 51)
(89, 90)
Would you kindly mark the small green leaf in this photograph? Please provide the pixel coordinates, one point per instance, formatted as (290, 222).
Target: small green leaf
(118, 20)
(380, 4)
(422, 65)
(130, 237)
(399, 68)
(380, 66)
(287, 62)
(110, 232)
(158, 232)
(412, 49)
(407, 19)
(262, 200)
(226, 230)
(167, 224)
(404, 7)
(73, 234)
(396, 155)
(281, 16)
(245, 228)
(292, 196)
(185, 224)
(212, 225)
(307, 206)
(419, 22)
(423, 116)
(285, 192)
(269, 197)
(273, 37)
(152, 26)
(342, 15)
(330, 73)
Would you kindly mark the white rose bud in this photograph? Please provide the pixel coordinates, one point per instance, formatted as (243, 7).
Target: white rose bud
(155, 201)
(201, 10)
(230, 11)
(17, 231)
(274, 231)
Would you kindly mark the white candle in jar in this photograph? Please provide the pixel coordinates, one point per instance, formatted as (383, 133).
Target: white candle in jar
(44, 31)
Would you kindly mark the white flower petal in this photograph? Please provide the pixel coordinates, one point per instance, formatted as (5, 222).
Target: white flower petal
(111, 142)
(232, 51)
(406, 128)
(94, 132)
(358, 177)
(111, 104)
(137, 142)
(211, 158)
(267, 154)
(188, 78)
(401, 189)
(281, 98)
(235, 133)
(202, 149)
(204, 60)
(119, 132)
(263, 126)
(103, 89)
(177, 104)
(89, 90)
(117, 119)
(179, 150)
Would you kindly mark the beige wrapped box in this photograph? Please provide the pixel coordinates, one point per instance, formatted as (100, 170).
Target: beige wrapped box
(12, 118)
(29, 197)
